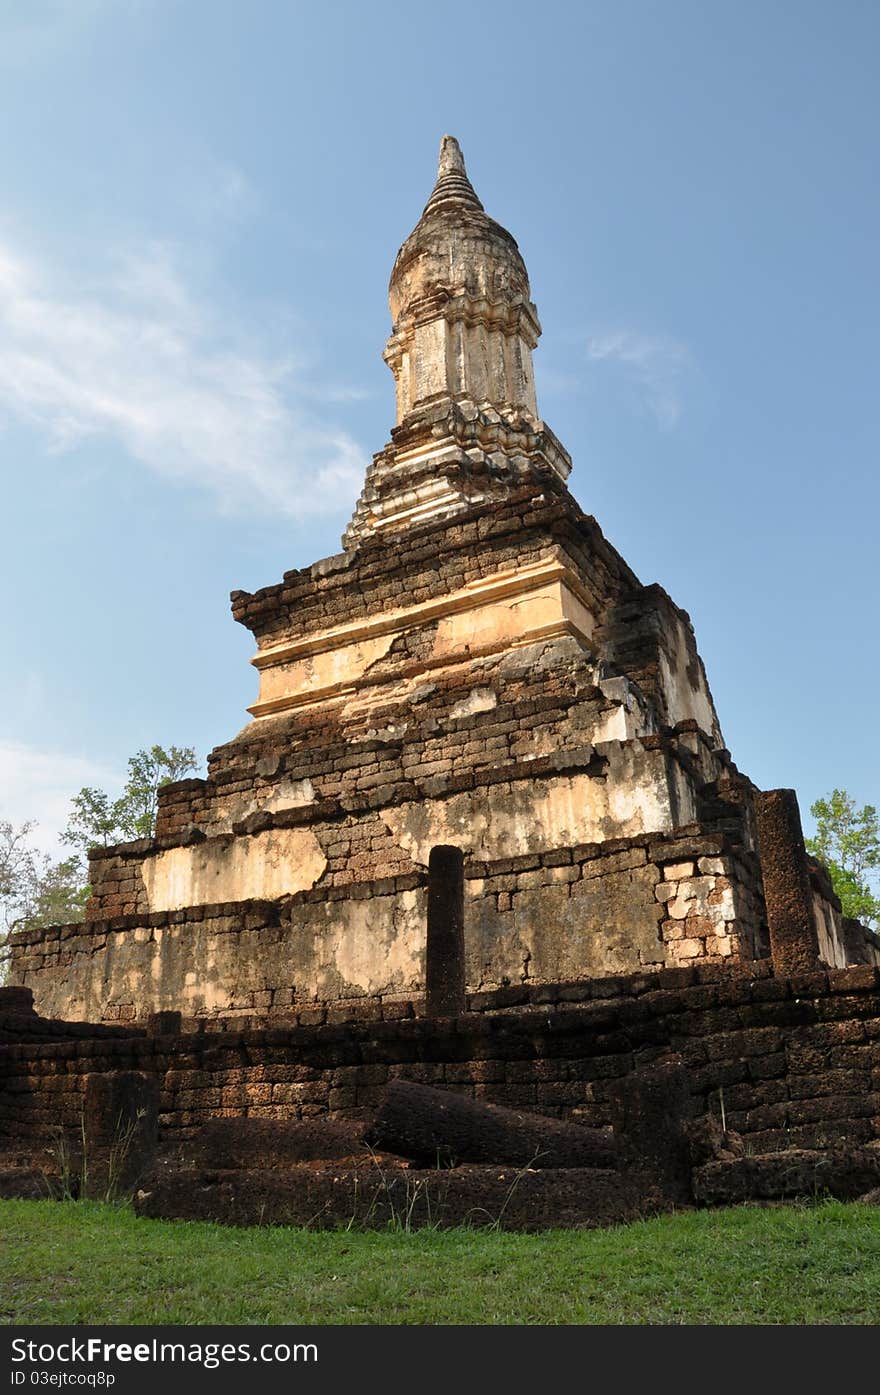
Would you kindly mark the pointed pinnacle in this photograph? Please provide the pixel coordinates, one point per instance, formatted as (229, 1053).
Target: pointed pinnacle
(453, 185)
(451, 158)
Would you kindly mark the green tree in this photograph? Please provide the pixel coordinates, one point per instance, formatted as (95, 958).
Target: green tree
(848, 842)
(35, 890)
(56, 894)
(15, 860)
(97, 820)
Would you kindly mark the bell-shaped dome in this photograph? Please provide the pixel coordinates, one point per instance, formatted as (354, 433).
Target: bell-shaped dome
(464, 325)
(456, 247)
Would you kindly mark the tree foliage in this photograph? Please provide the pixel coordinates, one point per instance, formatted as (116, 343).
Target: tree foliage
(99, 821)
(37, 891)
(847, 841)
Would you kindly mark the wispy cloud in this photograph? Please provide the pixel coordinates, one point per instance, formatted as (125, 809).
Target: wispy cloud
(138, 359)
(655, 365)
(221, 190)
(31, 30)
(38, 786)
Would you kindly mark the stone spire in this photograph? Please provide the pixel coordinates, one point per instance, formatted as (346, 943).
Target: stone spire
(463, 331)
(464, 324)
(453, 185)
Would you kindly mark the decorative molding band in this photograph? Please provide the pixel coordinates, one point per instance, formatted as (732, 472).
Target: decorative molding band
(498, 587)
(340, 692)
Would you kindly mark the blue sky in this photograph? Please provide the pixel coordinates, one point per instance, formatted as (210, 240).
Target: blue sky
(202, 203)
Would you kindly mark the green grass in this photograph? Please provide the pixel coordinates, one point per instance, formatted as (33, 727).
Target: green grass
(81, 1262)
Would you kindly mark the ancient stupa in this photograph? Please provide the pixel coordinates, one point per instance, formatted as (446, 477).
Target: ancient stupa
(478, 669)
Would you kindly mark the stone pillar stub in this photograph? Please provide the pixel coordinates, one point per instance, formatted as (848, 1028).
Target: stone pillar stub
(794, 944)
(444, 956)
(17, 1001)
(120, 1129)
(650, 1110)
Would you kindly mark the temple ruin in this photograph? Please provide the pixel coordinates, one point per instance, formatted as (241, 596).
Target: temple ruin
(478, 885)
(477, 669)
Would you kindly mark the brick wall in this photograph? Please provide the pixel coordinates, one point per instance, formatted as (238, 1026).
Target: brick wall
(567, 913)
(796, 1061)
(431, 561)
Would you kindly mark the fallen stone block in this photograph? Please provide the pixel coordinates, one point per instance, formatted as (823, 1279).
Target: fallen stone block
(846, 1173)
(272, 1143)
(442, 1128)
(376, 1197)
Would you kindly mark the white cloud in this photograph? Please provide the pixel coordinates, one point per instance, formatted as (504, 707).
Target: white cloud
(137, 359)
(38, 786)
(654, 364)
(220, 190)
(31, 30)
